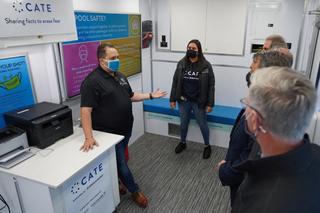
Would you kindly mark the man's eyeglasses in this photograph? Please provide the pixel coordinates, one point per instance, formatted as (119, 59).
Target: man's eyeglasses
(244, 104)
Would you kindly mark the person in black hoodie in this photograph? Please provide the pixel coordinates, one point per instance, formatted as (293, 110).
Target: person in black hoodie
(285, 177)
(193, 88)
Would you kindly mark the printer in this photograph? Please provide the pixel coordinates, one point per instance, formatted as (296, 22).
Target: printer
(13, 146)
(45, 122)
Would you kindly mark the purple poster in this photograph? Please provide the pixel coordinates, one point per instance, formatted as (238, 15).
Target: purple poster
(79, 60)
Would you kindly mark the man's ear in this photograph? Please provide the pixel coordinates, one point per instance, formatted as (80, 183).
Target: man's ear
(101, 62)
(255, 121)
(260, 127)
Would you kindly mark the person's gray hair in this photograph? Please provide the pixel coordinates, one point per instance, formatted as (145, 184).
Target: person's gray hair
(285, 51)
(273, 58)
(285, 99)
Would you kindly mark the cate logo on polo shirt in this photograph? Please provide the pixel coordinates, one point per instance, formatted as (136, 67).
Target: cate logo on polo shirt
(122, 82)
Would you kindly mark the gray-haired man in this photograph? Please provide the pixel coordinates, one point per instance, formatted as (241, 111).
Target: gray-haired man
(286, 178)
(274, 41)
(240, 143)
(269, 58)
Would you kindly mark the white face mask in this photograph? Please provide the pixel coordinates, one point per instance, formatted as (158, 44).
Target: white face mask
(246, 129)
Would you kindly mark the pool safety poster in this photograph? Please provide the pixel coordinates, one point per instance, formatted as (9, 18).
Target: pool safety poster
(15, 85)
(80, 56)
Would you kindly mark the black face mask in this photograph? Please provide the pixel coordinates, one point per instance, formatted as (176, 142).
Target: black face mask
(192, 53)
(248, 78)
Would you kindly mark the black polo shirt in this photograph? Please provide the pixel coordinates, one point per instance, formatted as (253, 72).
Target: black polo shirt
(109, 97)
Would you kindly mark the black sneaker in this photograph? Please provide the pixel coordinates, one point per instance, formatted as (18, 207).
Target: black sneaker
(207, 152)
(181, 146)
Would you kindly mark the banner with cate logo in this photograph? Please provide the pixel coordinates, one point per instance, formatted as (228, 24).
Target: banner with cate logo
(90, 190)
(36, 18)
(80, 56)
(15, 85)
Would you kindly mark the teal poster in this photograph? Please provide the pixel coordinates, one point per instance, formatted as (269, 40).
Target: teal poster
(15, 85)
(80, 56)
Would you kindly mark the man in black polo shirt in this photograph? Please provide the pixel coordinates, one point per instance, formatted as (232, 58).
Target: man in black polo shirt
(106, 105)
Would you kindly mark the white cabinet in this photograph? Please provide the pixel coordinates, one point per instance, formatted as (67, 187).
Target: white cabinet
(219, 25)
(226, 26)
(265, 19)
(188, 18)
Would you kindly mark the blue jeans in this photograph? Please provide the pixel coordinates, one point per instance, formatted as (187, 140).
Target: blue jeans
(124, 172)
(185, 109)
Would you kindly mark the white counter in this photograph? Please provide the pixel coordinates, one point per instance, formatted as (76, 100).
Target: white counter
(52, 173)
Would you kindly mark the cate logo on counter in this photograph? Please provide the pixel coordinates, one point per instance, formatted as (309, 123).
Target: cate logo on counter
(19, 7)
(75, 188)
(86, 181)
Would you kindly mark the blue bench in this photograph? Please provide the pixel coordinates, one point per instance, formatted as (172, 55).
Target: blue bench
(220, 114)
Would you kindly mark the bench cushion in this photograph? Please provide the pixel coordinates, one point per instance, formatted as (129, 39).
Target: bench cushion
(219, 114)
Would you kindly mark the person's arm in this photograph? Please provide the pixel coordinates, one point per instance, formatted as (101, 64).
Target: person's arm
(86, 122)
(239, 149)
(138, 96)
(173, 88)
(228, 175)
(211, 90)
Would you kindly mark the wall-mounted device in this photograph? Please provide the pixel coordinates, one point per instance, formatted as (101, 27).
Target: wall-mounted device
(163, 42)
(147, 34)
(13, 147)
(45, 122)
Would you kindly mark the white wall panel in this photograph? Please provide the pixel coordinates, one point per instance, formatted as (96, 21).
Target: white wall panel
(226, 26)
(162, 73)
(137, 109)
(188, 20)
(306, 36)
(231, 85)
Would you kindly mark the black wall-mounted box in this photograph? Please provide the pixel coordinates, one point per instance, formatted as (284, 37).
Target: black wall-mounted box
(45, 122)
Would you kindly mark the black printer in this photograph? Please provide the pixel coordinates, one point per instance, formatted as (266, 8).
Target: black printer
(45, 122)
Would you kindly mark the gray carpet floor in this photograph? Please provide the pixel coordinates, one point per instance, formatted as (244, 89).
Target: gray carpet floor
(175, 182)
